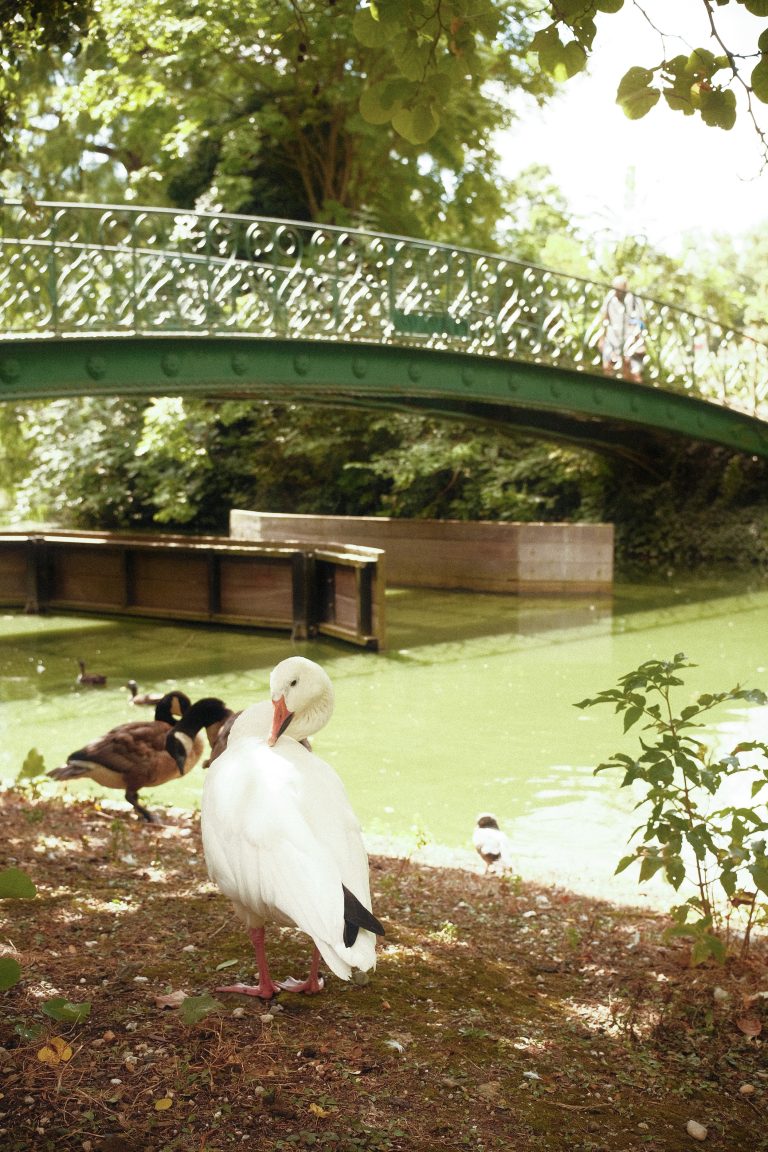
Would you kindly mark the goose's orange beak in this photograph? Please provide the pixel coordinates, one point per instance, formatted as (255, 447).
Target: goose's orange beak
(281, 718)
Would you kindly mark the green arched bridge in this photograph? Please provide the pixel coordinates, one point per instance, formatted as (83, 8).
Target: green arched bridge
(108, 299)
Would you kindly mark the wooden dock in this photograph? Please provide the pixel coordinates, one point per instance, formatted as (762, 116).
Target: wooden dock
(329, 590)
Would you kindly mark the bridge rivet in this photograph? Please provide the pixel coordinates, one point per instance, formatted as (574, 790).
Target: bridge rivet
(359, 368)
(414, 372)
(10, 370)
(170, 364)
(512, 384)
(301, 364)
(467, 377)
(96, 367)
(239, 363)
(555, 390)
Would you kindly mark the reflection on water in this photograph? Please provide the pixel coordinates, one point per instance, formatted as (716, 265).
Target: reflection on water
(471, 709)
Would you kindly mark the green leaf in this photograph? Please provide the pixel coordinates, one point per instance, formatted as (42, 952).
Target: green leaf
(374, 31)
(374, 106)
(226, 964)
(65, 1011)
(759, 80)
(718, 108)
(635, 94)
(33, 766)
(417, 125)
(707, 946)
(609, 5)
(10, 972)
(16, 885)
(674, 870)
(631, 716)
(572, 61)
(650, 867)
(195, 1008)
(756, 7)
(759, 873)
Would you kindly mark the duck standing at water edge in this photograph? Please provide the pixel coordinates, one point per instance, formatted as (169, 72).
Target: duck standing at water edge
(280, 837)
(491, 844)
(133, 756)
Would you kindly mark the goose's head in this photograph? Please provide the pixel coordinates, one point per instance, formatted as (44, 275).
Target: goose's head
(302, 698)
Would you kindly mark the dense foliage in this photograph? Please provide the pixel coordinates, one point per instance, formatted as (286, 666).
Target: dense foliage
(385, 115)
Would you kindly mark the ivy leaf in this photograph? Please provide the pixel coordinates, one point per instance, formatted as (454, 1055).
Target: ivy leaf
(10, 972)
(195, 1008)
(16, 885)
(65, 1011)
(635, 94)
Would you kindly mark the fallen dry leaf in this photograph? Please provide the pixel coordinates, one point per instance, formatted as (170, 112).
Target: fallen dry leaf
(171, 999)
(163, 1104)
(316, 1110)
(56, 1051)
(749, 1025)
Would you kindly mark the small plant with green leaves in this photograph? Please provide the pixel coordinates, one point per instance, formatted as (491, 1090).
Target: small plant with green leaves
(691, 835)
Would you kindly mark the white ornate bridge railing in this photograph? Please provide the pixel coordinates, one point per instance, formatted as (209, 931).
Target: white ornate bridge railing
(89, 269)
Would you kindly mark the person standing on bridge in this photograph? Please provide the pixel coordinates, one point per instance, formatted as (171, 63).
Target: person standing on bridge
(621, 338)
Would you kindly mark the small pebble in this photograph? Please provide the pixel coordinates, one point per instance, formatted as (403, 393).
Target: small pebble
(747, 1089)
(720, 995)
(696, 1130)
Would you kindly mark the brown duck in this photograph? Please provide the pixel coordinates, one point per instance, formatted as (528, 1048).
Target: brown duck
(133, 756)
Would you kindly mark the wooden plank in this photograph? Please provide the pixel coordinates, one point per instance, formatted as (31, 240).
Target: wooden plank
(13, 573)
(173, 581)
(248, 589)
(86, 576)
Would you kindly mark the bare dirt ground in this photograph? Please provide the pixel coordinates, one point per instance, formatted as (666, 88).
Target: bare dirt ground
(501, 1015)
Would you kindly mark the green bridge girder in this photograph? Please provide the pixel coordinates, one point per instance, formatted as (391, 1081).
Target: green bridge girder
(137, 300)
(602, 413)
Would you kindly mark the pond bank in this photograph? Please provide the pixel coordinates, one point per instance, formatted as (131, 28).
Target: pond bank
(503, 1016)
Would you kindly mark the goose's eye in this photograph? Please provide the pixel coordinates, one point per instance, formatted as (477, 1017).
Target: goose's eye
(293, 684)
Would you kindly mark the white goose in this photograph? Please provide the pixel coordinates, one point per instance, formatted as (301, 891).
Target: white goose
(280, 837)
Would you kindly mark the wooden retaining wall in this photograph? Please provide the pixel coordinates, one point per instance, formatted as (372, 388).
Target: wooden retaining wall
(481, 556)
(334, 591)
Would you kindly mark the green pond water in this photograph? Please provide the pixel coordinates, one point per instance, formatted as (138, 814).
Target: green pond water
(470, 709)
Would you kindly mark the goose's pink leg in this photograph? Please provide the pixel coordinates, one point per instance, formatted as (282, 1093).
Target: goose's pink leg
(266, 987)
(314, 982)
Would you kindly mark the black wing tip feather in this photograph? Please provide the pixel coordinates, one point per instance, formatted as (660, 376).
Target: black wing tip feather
(357, 916)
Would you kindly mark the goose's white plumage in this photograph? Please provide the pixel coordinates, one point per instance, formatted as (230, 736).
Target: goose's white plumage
(281, 839)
